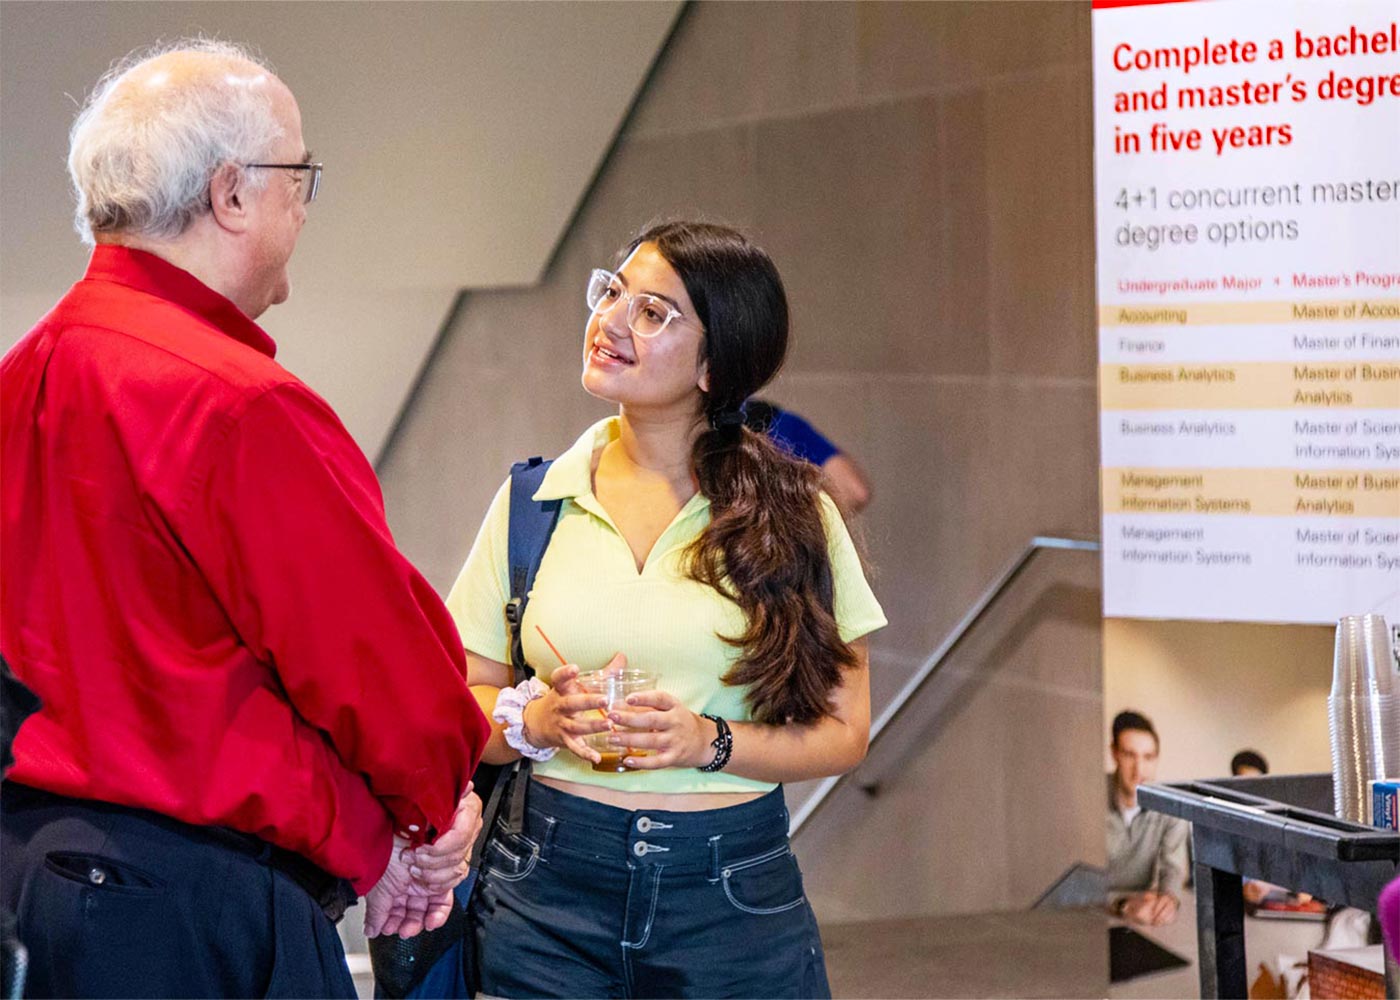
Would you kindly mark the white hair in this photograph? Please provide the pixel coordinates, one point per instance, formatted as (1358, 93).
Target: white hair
(144, 167)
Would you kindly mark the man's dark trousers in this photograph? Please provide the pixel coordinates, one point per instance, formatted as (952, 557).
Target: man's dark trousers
(116, 902)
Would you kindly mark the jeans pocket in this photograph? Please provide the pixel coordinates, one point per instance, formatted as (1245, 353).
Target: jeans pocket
(103, 874)
(765, 883)
(509, 857)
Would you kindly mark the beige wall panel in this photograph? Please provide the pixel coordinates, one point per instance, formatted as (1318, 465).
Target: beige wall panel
(1042, 251)
(1214, 688)
(863, 223)
(928, 464)
(761, 60)
(973, 804)
(1046, 481)
(706, 175)
(966, 205)
(919, 823)
(913, 47)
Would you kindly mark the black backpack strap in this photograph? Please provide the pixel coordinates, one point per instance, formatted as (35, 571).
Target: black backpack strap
(531, 524)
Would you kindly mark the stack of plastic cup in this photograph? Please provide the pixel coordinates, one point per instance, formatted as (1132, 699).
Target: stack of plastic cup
(1364, 711)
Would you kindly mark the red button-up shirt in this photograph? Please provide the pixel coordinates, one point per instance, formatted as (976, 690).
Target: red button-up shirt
(197, 578)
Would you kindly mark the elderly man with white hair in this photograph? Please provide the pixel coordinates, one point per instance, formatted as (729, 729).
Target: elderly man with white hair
(254, 708)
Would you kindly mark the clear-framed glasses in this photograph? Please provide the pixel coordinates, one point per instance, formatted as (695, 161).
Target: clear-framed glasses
(310, 174)
(647, 315)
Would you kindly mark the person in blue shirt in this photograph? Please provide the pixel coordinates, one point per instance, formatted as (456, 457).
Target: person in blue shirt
(843, 480)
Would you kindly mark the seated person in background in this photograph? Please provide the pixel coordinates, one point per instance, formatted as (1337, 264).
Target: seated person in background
(1248, 764)
(1146, 850)
(842, 478)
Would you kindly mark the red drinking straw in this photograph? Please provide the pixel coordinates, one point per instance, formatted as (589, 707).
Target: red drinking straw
(552, 648)
(564, 663)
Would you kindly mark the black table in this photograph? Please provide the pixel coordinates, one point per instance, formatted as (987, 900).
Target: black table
(1278, 828)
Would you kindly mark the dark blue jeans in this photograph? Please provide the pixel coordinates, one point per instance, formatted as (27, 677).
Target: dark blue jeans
(588, 900)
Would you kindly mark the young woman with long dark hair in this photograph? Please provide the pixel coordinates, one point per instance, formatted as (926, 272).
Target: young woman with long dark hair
(689, 546)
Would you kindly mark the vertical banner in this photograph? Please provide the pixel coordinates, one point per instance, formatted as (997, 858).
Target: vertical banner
(1247, 160)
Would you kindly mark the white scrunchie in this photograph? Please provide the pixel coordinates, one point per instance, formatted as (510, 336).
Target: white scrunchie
(510, 712)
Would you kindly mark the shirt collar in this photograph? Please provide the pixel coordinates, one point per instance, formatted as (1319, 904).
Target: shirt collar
(571, 475)
(156, 276)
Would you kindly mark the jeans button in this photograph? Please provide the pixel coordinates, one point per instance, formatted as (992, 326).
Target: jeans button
(644, 824)
(640, 848)
(97, 876)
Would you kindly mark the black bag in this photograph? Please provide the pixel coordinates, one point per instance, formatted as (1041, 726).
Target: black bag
(441, 963)
(17, 703)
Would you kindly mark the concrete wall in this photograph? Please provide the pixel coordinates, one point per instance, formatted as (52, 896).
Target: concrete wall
(987, 786)
(922, 175)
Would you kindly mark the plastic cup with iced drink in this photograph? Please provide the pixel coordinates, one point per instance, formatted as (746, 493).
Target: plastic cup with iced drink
(615, 685)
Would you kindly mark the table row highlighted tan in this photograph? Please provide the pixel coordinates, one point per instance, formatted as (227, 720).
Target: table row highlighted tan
(1262, 492)
(1354, 310)
(1252, 385)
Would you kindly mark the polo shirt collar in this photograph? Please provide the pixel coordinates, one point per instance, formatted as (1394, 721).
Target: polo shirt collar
(571, 475)
(145, 272)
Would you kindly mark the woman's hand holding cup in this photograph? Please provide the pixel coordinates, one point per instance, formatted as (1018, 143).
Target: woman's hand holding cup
(568, 713)
(674, 737)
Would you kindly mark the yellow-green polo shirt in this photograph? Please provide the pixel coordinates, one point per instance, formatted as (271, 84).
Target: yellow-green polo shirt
(591, 602)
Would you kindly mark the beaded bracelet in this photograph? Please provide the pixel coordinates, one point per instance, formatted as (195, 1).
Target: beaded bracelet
(723, 744)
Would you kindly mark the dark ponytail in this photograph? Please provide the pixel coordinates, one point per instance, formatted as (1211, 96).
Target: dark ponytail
(766, 544)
